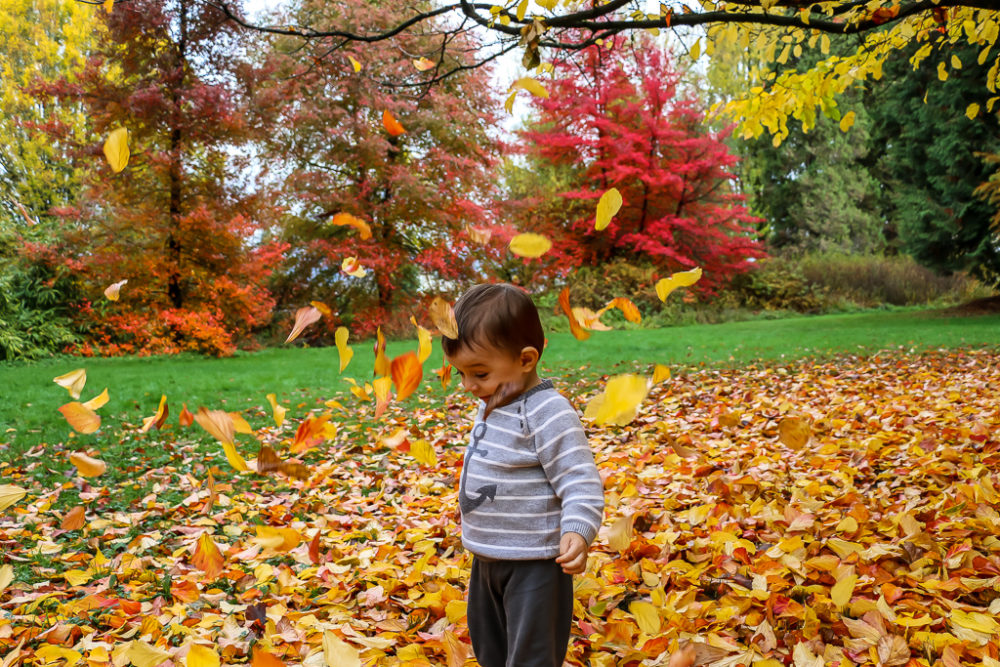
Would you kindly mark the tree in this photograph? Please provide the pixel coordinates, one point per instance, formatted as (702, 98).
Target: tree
(418, 191)
(175, 223)
(616, 118)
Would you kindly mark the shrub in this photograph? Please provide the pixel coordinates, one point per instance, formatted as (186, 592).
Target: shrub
(33, 320)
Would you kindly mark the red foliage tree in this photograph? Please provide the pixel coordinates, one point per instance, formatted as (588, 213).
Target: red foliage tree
(175, 222)
(615, 118)
(418, 191)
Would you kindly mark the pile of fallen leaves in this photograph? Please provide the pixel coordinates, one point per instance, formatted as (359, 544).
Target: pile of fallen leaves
(837, 513)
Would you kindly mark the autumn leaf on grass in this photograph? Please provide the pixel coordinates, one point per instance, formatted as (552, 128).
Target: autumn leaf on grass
(156, 421)
(660, 373)
(443, 317)
(647, 616)
(303, 317)
(80, 418)
(424, 345)
(794, 432)
(444, 374)
(423, 64)
(201, 656)
(73, 381)
(348, 220)
(97, 401)
(681, 279)
(10, 495)
(74, 519)
(382, 387)
(6, 576)
(619, 401)
(219, 424)
(609, 204)
(406, 372)
(262, 658)
(116, 149)
(311, 432)
(363, 393)
(268, 460)
(279, 539)
(383, 366)
(185, 418)
(207, 557)
(345, 353)
(391, 125)
(423, 452)
(529, 245)
(112, 290)
(50, 654)
(578, 332)
(87, 466)
(277, 410)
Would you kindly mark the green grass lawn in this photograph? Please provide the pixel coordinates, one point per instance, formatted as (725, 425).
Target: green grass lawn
(303, 378)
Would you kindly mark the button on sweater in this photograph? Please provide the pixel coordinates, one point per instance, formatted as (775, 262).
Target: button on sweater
(529, 477)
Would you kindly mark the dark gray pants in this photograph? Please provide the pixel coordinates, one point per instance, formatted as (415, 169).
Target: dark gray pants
(520, 612)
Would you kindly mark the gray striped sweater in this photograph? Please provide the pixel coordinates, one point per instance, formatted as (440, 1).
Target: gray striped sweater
(528, 477)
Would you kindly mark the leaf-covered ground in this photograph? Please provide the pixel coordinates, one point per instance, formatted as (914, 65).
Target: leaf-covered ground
(838, 513)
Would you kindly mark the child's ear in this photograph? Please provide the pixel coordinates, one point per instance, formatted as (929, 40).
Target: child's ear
(529, 358)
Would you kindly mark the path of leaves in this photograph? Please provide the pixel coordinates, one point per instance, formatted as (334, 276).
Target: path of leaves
(874, 542)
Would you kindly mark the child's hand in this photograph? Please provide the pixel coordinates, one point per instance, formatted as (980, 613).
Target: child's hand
(572, 553)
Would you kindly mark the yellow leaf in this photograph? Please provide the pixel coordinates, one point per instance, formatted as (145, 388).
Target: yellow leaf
(530, 245)
(278, 410)
(10, 495)
(443, 316)
(112, 290)
(354, 63)
(696, 50)
(423, 452)
(280, 539)
(109, 5)
(974, 620)
(942, 74)
(338, 653)
(607, 207)
(508, 104)
(794, 432)
(72, 381)
(142, 654)
(235, 460)
(52, 653)
(6, 576)
(424, 64)
(620, 533)
(201, 656)
(340, 337)
(382, 386)
(847, 121)
(530, 85)
(218, 423)
(972, 111)
(619, 401)
(352, 267)
(77, 577)
(424, 345)
(646, 616)
(680, 279)
(97, 401)
(660, 373)
(383, 366)
(956, 62)
(116, 149)
(87, 466)
(455, 610)
(157, 419)
(522, 8)
(842, 591)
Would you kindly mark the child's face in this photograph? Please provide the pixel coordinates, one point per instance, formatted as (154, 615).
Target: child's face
(484, 369)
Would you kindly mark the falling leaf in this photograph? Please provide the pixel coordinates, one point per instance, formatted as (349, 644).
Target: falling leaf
(277, 410)
(588, 319)
(24, 213)
(529, 245)
(423, 64)
(185, 418)
(530, 85)
(444, 374)
(303, 317)
(74, 519)
(629, 309)
(646, 616)
(424, 345)
(346, 353)
(109, 5)
(157, 420)
(339, 653)
(268, 461)
(619, 401)
(847, 121)
(383, 367)
(607, 207)
(578, 331)
(240, 425)
(794, 432)
(972, 111)
(382, 386)
(72, 381)
(87, 466)
(354, 63)
(9, 495)
(479, 235)
(681, 279)
(406, 372)
(391, 125)
(97, 401)
(201, 656)
(660, 373)
(324, 309)
(207, 557)
(423, 452)
(112, 290)
(116, 149)
(346, 219)
(80, 418)
(219, 424)
(313, 431)
(443, 317)
(352, 267)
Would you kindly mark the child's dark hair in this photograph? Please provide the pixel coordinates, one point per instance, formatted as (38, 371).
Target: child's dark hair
(498, 315)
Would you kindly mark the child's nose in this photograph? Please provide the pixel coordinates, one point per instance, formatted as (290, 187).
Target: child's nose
(468, 384)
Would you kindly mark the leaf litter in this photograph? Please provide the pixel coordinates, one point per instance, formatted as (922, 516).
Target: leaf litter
(839, 512)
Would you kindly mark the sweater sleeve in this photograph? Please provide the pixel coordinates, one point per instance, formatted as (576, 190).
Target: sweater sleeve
(562, 449)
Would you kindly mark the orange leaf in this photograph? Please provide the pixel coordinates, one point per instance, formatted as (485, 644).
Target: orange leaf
(314, 549)
(444, 373)
(97, 401)
(87, 466)
(424, 64)
(218, 423)
(578, 332)
(184, 591)
(185, 418)
(322, 308)
(406, 374)
(207, 557)
(794, 432)
(629, 309)
(456, 650)
(262, 658)
(156, 421)
(81, 418)
(74, 519)
(443, 317)
(391, 125)
(346, 219)
(303, 317)
(312, 432)
(268, 460)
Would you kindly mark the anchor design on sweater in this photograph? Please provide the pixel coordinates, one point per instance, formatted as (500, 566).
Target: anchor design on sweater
(487, 491)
